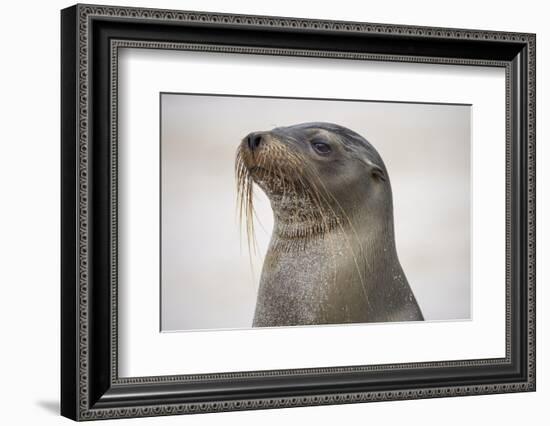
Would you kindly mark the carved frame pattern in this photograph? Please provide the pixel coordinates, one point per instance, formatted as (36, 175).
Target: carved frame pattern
(85, 409)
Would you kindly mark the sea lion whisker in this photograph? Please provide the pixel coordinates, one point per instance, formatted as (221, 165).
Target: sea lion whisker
(244, 197)
(312, 194)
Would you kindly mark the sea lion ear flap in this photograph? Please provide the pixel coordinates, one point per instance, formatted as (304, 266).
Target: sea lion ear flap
(378, 173)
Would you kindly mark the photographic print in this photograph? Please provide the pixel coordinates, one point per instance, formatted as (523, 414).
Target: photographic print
(280, 212)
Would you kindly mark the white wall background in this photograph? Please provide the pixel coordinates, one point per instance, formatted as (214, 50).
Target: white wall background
(29, 225)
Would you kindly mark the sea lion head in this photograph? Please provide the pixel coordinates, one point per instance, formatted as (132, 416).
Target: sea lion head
(317, 176)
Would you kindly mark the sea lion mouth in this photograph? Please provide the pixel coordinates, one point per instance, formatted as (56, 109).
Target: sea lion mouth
(272, 165)
(257, 170)
(277, 182)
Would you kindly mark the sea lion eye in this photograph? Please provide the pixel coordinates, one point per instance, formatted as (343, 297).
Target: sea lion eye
(321, 147)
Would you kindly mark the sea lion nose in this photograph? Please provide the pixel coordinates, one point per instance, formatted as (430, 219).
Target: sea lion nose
(254, 140)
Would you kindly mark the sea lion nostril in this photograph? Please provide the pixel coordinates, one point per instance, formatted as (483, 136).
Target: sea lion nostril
(254, 140)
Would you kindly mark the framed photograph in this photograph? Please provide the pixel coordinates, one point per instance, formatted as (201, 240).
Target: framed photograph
(263, 212)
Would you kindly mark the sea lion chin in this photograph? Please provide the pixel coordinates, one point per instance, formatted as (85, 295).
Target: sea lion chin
(332, 257)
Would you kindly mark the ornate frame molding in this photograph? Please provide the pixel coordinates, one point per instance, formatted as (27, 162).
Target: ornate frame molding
(78, 24)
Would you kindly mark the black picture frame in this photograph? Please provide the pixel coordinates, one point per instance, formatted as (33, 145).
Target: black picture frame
(90, 386)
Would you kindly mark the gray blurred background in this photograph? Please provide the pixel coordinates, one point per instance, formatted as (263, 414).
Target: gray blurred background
(208, 279)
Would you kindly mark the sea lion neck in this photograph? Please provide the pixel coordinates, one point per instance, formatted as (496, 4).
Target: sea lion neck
(301, 220)
(300, 216)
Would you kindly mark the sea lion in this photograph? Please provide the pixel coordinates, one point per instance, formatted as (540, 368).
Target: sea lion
(332, 257)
